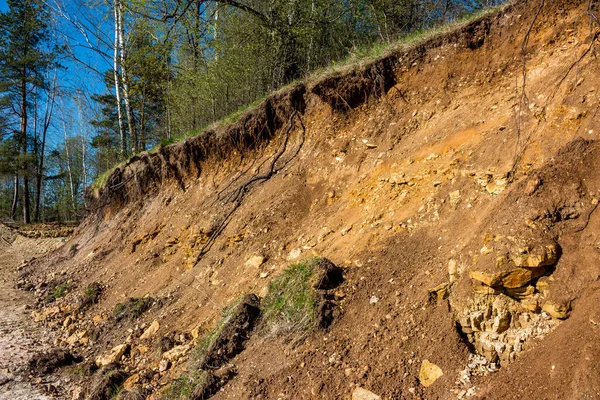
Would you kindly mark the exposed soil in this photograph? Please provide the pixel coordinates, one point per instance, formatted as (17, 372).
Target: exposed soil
(20, 338)
(462, 213)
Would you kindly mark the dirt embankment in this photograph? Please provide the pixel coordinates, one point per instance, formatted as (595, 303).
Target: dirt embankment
(459, 203)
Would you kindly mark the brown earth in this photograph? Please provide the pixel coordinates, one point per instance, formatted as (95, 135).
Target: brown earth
(460, 205)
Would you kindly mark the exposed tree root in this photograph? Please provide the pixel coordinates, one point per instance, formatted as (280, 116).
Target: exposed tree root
(236, 197)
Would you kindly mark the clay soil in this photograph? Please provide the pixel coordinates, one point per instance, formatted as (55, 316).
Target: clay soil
(416, 171)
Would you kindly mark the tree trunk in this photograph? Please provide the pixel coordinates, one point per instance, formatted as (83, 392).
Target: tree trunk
(116, 77)
(69, 173)
(15, 201)
(24, 164)
(40, 167)
(125, 81)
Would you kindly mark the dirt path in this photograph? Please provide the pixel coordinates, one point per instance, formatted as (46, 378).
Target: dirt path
(20, 337)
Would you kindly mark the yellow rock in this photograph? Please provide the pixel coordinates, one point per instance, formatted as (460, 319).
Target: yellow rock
(429, 373)
(556, 310)
(151, 330)
(255, 261)
(440, 292)
(538, 256)
(114, 356)
(195, 332)
(177, 352)
(513, 278)
(490, 279)
(131, 382)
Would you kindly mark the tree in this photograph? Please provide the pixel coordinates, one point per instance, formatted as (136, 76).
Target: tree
(23, 62)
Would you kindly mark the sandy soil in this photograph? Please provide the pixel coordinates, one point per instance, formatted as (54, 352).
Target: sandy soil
(20, 337)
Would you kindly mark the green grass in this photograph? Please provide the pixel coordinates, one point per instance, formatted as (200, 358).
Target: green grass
(183, 387)
(205, 344)
(102, 179)
(290, 304)
(61, 290)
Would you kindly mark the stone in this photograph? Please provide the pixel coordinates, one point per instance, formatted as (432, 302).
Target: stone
(177, 352)
(440, 292)
(454, 197)
(501, 322)
(255, 261)
(429, 373)
(453, 270)
(532, 186)
(68, 321)
(96, 319)
(113, 357)
(78, 393)
(536, 256)
(77, 337)
(131, 382)
(531, 303)
(364, 394)
(556, 310)
(513, 278)
(195, 333)
(164, 365)
(151, 331)
(496, 187)
(294, 254)
(521, 292)
(480, 288)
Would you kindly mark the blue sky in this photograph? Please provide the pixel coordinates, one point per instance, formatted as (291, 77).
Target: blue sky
(72, 78)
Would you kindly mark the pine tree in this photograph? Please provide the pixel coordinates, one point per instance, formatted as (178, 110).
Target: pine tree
(23, 63)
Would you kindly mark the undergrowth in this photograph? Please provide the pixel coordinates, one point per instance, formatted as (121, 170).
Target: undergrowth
(290, 306)
(61, 290)
(182, 387)
(132, 308)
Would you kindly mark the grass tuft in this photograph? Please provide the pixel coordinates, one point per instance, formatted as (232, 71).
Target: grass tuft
(290, 306)
(61, 290)
(182, 387)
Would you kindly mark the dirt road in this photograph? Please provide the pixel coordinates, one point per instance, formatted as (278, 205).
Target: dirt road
(20, 337)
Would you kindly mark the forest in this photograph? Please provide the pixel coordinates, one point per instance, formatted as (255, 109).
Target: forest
(86, 84)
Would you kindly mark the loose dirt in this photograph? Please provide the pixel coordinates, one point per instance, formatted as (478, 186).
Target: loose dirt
(20, 337)
(463, 216)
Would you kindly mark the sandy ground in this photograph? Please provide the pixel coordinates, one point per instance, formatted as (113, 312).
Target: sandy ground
(20, 337)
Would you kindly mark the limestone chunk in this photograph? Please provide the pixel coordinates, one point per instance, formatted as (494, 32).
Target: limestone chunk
(536, 256)
(113, 357)
(151, 330)
(556, 310)
(177, 352)
(255, 261)
(429, 373)
(364, 394)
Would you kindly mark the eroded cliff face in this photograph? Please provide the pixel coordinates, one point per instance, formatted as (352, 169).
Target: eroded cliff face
(459, 203)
